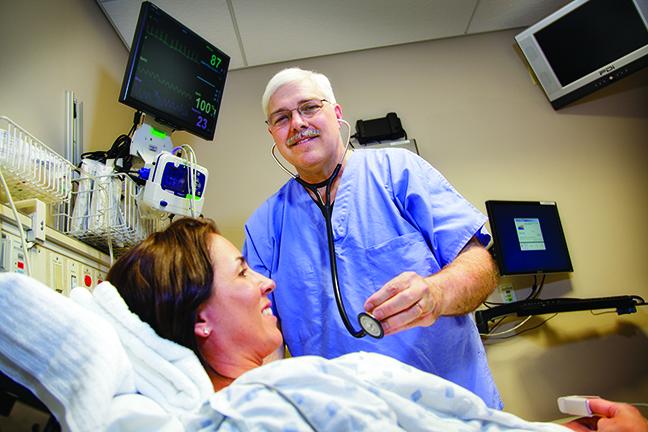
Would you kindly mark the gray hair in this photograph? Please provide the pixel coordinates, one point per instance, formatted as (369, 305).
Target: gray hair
(296, 75)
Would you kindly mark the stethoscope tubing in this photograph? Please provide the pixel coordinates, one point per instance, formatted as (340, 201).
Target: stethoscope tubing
(327, 211)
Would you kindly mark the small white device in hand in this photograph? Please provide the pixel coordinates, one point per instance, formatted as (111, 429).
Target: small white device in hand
(575, 405)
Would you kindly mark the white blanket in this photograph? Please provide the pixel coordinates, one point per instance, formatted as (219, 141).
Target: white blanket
(71, 359)
(355, 392)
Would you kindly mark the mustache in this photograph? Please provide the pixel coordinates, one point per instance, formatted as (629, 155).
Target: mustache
(308, 133)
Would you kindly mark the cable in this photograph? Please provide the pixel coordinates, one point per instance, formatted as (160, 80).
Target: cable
(611, 311)
(491, 334)
(535, 292)
(110, 243)
(535, 327)
(23, 241)
(120, 148)
(110, 249)
(192, 174)
(497, 324)
(639, 301)
(536, 288)
(194, 179)
(529, 329)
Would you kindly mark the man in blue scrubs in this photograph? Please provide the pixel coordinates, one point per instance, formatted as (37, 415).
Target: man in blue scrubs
(409, 248)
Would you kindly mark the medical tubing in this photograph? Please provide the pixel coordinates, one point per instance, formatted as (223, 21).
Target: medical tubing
(192, 178)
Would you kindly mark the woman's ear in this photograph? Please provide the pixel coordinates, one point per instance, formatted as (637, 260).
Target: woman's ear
(201, 328)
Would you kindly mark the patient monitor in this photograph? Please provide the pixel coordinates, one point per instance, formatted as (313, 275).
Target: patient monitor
(176, 79)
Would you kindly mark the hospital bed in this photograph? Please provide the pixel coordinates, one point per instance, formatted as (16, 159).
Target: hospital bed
(95, 366)
(12, 393)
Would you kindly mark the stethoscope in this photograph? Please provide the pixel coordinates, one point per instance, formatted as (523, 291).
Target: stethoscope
(369, 325)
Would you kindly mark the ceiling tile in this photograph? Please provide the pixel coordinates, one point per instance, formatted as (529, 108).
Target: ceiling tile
(492, 15)
(282, 30)
(208, 18)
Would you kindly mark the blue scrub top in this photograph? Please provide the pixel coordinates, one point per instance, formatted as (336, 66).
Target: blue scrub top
(393, 212)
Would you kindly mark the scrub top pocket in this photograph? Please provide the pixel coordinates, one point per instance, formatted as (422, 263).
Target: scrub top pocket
(408, 252)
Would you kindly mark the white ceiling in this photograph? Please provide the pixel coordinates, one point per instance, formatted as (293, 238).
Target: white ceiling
(257, 32)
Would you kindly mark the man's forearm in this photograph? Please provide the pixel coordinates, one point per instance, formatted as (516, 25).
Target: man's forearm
(467, 281)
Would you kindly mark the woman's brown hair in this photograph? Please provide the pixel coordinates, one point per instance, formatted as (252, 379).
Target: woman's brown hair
(166, 277)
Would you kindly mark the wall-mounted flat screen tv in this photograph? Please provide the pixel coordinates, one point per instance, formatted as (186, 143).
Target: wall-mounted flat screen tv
(586, 45)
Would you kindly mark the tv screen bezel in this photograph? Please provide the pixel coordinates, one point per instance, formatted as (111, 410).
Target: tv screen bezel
(159, 115)
(497, 233)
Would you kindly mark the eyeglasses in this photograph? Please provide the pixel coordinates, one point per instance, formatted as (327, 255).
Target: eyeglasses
(305, 109)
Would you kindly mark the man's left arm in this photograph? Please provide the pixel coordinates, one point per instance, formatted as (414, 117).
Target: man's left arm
(411, 300)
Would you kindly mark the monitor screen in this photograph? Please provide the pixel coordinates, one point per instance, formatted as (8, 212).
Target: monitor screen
(173, 74)
(593, 35)
(528, 237)
(586, 45)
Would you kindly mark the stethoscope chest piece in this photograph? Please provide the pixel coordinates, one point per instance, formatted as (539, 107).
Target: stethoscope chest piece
(370, 325)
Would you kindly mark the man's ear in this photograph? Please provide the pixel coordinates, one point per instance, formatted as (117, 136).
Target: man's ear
(338, 111)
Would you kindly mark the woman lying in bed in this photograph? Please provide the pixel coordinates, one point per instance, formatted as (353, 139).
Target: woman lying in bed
(193, 287)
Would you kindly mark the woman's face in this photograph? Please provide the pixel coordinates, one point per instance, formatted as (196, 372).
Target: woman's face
(238, 314)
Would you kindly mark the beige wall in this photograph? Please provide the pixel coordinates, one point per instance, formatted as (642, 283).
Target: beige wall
(476, 116)
(50, 47)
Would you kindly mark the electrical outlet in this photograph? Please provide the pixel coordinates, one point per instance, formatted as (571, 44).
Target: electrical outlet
(507, 292)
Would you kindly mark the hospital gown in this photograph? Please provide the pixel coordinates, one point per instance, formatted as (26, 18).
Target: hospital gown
(356, 392)
(393, 212)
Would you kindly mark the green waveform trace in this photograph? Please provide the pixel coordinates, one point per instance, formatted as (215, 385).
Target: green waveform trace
(168, 84)
(172, 43)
